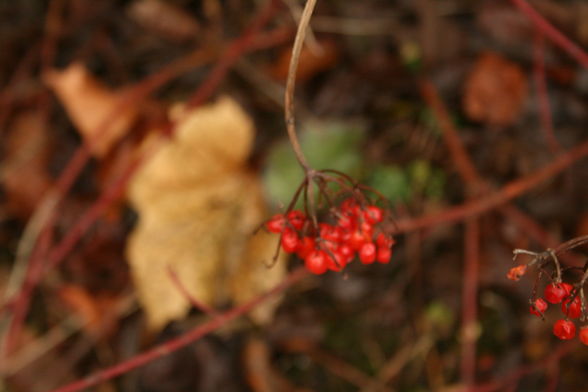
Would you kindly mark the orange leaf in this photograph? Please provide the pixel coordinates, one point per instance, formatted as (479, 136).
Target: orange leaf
(89, 104)
(495, 91)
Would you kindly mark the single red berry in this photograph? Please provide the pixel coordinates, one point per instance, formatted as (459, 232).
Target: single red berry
(367, 253)
(357, 239)
(383, 255)
(384, 240)
(572, 309)
(564, 329)
(554, 293)
(568, 288)
(539, 308)
(290, 240)
(336, 261)
(305, 246)
(346, 251)
(584, 334)
(345, 258)
(276, 223)
(373, 214)
(316, 262)
(296, 219)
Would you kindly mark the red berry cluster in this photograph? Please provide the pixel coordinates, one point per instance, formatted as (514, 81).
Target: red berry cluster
(333, 246)
(571, 306)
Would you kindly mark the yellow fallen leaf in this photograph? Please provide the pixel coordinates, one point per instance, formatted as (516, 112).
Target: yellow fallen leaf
(198, 208)
(89, 103)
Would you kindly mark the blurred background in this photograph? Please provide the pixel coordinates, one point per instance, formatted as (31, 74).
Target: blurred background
(143, 143)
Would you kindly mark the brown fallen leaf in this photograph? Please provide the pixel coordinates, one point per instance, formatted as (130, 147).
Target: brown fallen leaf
(89, 103)
(310, 63)
(165, 19)
(198, 207)
(495, 91)
(26, 156)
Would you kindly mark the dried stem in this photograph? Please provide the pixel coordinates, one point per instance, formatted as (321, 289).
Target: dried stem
(469, 301)
(289, 112)
(571, 244)
(557, 266)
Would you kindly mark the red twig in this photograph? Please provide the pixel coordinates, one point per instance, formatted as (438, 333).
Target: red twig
(467, 171)
(542, 93)
(462, 161)
(469, 300)
(232, 54)
(474, 185)
(20, 307)
(506, 193)
(556, 36)
(183, 340)
(184, 291)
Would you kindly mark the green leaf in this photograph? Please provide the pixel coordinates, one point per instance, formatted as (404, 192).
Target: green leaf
(391, 181)
(326, 145)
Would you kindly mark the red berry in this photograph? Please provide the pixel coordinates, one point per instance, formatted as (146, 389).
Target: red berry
(296, 219)
(346, 222)
(373, 214)
(384, 254)
(329, 233)
(357, 239)
(384, 240)
(290, 240)
(367, 253)
(349, 205)
(316, 262)
(540, 307)
(305, 247)
(367, 229)
(564, 329)
(584, 335)
(276, 223)
(568, 288)
(336, 261)
(346, 251)
(573, 309)
(554, 293)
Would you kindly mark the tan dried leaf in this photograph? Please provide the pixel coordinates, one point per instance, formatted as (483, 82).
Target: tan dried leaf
(89, 104)
(198, 208)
